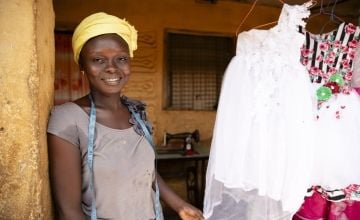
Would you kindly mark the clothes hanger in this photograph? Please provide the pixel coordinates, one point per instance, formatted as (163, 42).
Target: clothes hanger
(311, 4)
(333, 17)
(266, 24)
(322, 11)
(245, 17)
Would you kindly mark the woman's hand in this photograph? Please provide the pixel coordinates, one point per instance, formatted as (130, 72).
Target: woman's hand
(180, 206)
(189, 212)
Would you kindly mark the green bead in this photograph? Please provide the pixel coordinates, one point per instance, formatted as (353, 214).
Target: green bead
(323, 93)
(337, 77)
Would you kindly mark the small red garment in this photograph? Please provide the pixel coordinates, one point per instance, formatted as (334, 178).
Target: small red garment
(357, 90)
(317, 207)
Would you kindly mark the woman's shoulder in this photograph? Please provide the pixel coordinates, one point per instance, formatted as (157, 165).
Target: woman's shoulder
(65, 121)
(66, 108)
(134, 104)
(68, 112)
(77, 106)
(139, 108)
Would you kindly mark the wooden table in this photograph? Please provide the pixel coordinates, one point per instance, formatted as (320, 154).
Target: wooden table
(195, 186)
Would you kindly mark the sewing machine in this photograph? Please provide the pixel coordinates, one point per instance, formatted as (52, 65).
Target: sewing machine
(181, 141)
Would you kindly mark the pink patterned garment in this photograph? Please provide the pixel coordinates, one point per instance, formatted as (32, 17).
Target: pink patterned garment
(357, 90)
(317, 207)
(329, 59)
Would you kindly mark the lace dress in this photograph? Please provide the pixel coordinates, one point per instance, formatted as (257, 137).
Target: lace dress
(259, 166)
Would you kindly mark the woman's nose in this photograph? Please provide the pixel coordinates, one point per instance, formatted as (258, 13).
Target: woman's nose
(111, 67)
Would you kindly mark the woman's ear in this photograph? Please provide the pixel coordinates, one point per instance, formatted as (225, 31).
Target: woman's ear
(80, 62)
(81, 68)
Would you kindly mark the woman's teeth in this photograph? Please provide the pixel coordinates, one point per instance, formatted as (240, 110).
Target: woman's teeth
(112, 80)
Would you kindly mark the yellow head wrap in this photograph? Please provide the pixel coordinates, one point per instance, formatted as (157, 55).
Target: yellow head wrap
(102, 23)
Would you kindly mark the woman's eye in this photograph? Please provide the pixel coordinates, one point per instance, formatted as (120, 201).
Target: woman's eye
(98, 60)
(122, 59)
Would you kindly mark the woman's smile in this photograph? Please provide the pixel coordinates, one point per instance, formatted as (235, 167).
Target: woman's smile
(112, 81)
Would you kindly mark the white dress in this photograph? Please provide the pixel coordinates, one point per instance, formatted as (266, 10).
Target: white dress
(259, 166)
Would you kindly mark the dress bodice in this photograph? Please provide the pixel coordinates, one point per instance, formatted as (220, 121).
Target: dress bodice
(329, 59)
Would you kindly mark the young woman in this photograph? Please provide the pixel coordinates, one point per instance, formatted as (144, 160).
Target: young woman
(102, 165)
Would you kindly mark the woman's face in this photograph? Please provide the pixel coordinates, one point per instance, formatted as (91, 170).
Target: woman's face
(106, 62)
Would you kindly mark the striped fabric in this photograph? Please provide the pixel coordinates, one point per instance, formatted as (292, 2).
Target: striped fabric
(331, 52)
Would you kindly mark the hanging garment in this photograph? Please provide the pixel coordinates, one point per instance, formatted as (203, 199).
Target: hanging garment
(260, 158)
(355, 80)
(330, 59)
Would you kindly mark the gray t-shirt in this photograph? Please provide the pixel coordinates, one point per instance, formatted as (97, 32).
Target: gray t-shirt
(124, 168)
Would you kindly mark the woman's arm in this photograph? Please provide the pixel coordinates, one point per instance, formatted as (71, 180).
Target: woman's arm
(185, 210)
(65, 178)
